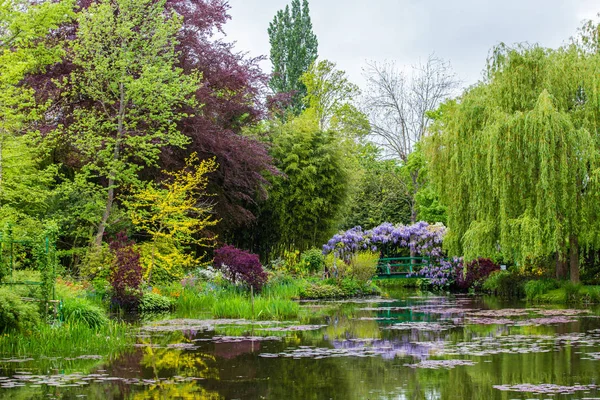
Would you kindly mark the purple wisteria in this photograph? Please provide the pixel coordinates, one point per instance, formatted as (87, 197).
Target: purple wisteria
(421, 239)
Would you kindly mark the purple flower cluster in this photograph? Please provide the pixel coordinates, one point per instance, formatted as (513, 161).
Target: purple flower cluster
(421, 239)
(441, 272)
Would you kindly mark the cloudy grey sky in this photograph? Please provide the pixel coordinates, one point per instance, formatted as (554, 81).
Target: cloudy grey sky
(407, 31)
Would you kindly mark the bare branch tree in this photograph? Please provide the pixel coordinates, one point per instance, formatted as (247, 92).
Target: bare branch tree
(397, 105)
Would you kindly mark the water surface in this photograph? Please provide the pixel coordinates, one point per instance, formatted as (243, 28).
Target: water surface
(408, 346)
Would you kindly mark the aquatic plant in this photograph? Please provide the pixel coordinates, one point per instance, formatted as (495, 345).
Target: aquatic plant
(69, 339)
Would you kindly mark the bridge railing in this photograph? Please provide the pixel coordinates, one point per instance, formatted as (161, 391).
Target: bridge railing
(400, 265)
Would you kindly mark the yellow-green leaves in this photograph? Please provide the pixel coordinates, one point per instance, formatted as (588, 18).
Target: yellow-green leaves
(514, 156)
(175, 213)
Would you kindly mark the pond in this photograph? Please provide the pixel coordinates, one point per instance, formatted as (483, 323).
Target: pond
(407, 346)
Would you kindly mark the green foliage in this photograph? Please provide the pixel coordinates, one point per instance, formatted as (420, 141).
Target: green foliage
(264, 308)
(573, 292)
(125, 58)
(393, 283)
(534, 289)
(328, 94)
(73, 339)
(364, 265)
(305, 204)
(97, 262)
(15, 314)
(380, 194)
(154, 302)
(293, 50)
(340, 288)
(515, 159)
(505, 284)
(81, 311)
(320, 290)
(313, 261)
(429, 206)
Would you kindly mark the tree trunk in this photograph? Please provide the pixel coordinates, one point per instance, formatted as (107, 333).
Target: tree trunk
(561, 266)
(112, 176)
(109, 201)
(574, 258)
(413, 212)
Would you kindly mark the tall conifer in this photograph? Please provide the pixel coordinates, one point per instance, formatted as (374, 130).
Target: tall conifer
(293, 49)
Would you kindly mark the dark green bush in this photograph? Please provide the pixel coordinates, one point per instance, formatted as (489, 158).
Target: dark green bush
(573, 292)
(505, 284)
(15, 314)
(320, 290)
(81, 311)
(313, 260)
(154, 302)
(331, 288)
(535, 288)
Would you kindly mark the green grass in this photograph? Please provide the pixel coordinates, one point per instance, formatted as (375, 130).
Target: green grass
(68, 340)
(570, 293)
(264, 308)
(274, 302)
(400, 282)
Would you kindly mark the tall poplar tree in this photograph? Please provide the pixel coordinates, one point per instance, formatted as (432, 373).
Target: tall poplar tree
(293, 50)
(516, 158)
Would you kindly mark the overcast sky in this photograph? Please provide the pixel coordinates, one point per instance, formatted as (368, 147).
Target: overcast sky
(407, 31)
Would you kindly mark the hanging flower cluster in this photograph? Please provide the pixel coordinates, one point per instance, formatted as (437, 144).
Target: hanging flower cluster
(421, 239)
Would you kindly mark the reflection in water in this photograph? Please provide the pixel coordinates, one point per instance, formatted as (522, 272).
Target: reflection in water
(410, 347)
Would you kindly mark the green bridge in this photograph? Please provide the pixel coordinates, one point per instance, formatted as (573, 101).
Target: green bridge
(400, 267)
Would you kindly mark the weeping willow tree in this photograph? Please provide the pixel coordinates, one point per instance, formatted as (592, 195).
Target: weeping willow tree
(516, 158)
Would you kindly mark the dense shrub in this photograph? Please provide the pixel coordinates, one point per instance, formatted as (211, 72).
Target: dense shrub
(505, 284)
(475, 273)
(15, 314)
(77, 310)
(320, 290)
(97, 262)
(364, 265)
(313, 260)
(154, 302)
(340, 288)
(536, 288)
(126, 273)
(573, 292)
(240, 267)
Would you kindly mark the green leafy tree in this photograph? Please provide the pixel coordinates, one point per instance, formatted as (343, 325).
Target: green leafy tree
(25, 178)
(379, 195)
(515, 159)
(306, 203)
(329, 93)
(293, 50)
(129, 90)
(173, 216)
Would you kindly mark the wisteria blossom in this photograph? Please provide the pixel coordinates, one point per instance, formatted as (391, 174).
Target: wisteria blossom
(421, 239)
